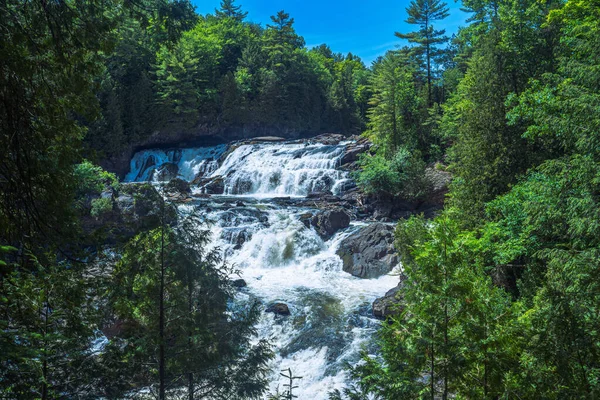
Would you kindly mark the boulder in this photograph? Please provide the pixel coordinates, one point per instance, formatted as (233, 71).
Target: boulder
(164, 173)
(391, 303)
(354, 150)
(238, 283)
(278, 309)
(328, 222)
(369, 252)
(327, 138)
(178, 185)
(212, 185)
(306, 218)
(178, 190)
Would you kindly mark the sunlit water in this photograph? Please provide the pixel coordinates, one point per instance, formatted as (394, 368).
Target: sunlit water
(283, 261)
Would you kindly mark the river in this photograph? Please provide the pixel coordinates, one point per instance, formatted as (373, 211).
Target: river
(279, 258)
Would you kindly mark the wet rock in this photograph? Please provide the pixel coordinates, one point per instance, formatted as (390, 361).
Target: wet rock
(178, 185)
(328, 222)
(391, 303)
(327, 138)
(268, 139)
(178, 190)
(164, 173)
(238, 283)
(306, 219)
(369, 253)
(278, 309)
(240, 204)
(354, 150)
(212, 185)
(318, 195)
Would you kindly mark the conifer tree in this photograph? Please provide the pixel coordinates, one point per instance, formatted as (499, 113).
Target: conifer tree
(427, 40)
(229, 10)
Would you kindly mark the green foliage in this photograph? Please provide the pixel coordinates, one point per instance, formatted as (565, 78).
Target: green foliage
(46, 331)
(393, 116)
(502, 298)
(221, 73)
(488, 155)
(101, 207)
(403, 176)
(174, 295)
(229, 10)
(92, 179)
(427, 39)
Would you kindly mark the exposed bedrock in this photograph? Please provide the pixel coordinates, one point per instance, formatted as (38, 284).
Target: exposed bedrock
(369, 252)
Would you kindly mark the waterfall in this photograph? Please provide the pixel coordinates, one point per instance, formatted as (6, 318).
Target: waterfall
(187, 163)
(283, 169)
(281, 259)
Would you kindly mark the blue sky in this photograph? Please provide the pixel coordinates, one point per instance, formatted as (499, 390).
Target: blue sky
(365, 28)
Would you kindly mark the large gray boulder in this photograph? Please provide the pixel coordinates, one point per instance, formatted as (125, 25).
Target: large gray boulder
(369, 252)
(214, 185)
(354, 150)
(327, 222)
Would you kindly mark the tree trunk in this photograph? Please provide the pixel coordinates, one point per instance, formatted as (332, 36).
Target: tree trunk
(432, 383)
(428, 56)
(161, 307)
(190, 347)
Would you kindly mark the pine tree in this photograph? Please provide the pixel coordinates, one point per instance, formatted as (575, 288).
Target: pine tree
(174, 295)
(427, 40)
(229, 10)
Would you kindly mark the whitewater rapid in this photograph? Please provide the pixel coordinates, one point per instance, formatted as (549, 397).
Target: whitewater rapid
(282, 260)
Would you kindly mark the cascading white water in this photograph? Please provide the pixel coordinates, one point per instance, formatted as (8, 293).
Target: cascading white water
(189, 162)
(282, 260)
(283, 169)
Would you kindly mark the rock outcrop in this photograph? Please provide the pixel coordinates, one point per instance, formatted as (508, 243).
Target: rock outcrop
(369, 253)
(164, 173)
(278, 309)
(391, 303)
(238, 283)
(327, 222)
(354, 150)
(214, 185)
(132, 208)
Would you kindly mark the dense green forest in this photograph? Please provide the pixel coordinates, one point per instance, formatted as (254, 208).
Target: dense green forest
(502, 289)
(216, 73)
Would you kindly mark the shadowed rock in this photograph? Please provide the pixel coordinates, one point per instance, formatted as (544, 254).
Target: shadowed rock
(369, 253)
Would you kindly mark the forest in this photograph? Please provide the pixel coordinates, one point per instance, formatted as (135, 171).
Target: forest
(110, 290)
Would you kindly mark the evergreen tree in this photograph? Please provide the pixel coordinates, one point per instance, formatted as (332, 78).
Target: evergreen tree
(174, 295)
(393, 116)
(229, 10)
(427, 40)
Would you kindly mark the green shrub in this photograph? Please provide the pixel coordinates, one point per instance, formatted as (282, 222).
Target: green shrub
(92, 179)
(101, 207)
(377, 175)
(403, 175)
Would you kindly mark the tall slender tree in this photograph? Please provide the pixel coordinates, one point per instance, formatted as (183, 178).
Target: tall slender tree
(230, 10)
(427, 40)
